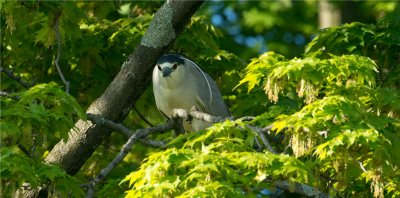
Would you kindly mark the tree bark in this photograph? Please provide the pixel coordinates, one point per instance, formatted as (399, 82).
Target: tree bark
(126, 88)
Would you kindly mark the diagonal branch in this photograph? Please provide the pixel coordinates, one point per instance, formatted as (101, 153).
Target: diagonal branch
(140, 133)
(124, 130)
(126, 88)
(10, 74)
(142, 117)
(120, 96)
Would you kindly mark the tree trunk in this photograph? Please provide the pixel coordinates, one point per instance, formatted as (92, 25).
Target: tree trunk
(121, 95)
(329, 15)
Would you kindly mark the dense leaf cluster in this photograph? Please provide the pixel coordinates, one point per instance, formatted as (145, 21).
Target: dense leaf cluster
(342, 134)
(334, 111)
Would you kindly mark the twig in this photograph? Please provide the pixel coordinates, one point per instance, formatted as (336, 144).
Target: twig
(153, 143)
(123, 129)
(56, 62)
(116, 126)
(16, 78)
(23, 149)
(247, 118)
(260, 147)
(204, 116)
(140, 133)
(6, 94)
(142, 117)
(267, 129)
(361, 166)
(323, 133)
(263, 138)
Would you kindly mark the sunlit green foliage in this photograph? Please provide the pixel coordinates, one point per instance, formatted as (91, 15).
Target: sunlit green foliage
(17, 169)
(349, 123)
(334, 109)
(218, 162)
(343, 135)
(31, 122)
(43, 108)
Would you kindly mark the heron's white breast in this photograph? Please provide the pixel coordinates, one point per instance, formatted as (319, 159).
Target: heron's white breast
(176, 91)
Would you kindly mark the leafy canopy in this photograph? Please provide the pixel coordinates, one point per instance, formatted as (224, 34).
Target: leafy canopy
(334, 111)
(342, 134)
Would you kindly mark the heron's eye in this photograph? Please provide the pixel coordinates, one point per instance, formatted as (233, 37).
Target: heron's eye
(159, 68)
(174, 66)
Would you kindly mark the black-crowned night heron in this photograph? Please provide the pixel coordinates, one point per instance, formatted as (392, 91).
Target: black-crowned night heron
(179, 83)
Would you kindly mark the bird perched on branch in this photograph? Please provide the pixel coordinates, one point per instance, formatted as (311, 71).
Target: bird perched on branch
(178, 82)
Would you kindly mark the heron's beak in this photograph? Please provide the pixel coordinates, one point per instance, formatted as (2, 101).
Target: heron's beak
(166, 71)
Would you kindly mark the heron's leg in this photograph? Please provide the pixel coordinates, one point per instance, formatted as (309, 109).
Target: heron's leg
(178, 127)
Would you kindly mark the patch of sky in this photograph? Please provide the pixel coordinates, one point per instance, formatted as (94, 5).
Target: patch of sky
(299, 39)
(230, 15)
(239, 39)
(217, 19)
(256, 41)
(250, 41)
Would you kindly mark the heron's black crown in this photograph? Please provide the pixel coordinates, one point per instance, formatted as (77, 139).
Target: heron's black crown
(170, 58)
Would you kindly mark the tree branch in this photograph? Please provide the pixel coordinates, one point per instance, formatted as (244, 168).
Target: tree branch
(123, 129)
(140, 133)
(10, 74)
(142, 117)
(6, 94)
(263, 138)
(56, 62)
(301, 189)
(116, 126)
(119, 97)
(153, 143)
(126, 88)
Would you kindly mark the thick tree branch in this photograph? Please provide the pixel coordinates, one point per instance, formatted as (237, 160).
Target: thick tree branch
(121, 95)
(126, 88)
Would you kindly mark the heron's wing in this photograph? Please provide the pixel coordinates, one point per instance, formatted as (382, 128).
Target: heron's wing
(218, 106)
(209, 97)
(201, 105)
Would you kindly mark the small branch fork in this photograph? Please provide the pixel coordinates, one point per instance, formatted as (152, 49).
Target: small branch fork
(26, 85)
(176, 123)
(137, 135)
